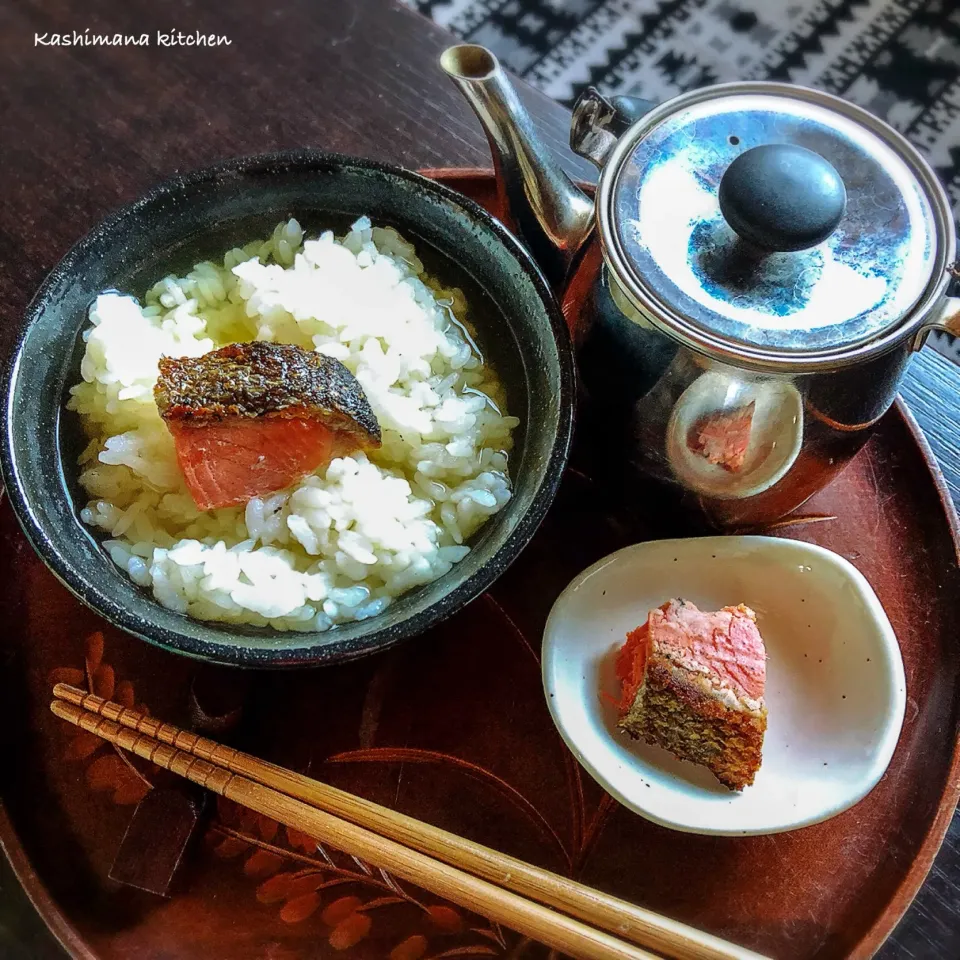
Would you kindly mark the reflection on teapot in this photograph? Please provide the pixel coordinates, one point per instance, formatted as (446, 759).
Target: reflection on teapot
(732, 438)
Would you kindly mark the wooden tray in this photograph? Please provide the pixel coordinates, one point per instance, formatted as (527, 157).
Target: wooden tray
(452, 728)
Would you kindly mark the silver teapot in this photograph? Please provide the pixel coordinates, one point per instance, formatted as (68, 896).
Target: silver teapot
(759, 264)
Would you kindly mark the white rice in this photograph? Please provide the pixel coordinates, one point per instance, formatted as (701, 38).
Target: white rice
(344, 542)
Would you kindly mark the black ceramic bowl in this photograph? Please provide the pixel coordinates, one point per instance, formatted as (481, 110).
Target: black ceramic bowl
(200, 215)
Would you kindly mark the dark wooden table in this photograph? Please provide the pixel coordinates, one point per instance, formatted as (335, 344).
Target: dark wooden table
(86, 128)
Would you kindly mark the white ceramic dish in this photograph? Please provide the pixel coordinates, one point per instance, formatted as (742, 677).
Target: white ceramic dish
(835, 684)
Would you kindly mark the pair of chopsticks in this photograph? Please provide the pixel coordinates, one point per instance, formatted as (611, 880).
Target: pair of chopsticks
(570, 917)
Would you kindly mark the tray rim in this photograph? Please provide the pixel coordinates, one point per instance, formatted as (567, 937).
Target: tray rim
(69, 938)
(915, 876)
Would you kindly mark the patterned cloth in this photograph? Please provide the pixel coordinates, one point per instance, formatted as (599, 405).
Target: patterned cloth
(898, 58)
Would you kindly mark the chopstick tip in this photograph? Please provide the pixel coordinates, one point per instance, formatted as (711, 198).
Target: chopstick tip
(64, 691)
(66, 711)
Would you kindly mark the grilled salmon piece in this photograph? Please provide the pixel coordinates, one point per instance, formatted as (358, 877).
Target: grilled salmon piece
(723, 438)
(252, 418)
(693, 683)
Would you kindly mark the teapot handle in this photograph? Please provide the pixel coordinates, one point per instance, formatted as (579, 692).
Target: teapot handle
(599, 122)
(628, 111)
(946, 320)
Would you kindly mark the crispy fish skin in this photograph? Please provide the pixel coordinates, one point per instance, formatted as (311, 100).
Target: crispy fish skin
(260, 379)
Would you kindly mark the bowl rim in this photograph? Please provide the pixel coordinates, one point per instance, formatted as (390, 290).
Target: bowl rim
(316, 648)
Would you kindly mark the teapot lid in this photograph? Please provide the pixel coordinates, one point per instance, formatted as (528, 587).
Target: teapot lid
(773, 220)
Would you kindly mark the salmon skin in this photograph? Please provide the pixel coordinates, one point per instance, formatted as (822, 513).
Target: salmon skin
(252, 418)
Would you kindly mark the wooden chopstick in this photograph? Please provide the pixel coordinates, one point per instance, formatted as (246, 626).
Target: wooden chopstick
(526, 917)
(643, 927)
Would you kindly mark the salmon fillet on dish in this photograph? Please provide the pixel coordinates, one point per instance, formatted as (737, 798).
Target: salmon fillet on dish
(693, 683)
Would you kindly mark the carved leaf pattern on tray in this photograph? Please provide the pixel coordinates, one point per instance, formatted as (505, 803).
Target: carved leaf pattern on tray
(109, 770)
(584, 833)
(476, 772)
(303, 878)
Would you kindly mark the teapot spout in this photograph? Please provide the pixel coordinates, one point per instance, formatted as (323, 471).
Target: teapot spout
(552, 216)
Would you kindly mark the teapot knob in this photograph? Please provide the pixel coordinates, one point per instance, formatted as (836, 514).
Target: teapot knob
(781, 197)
